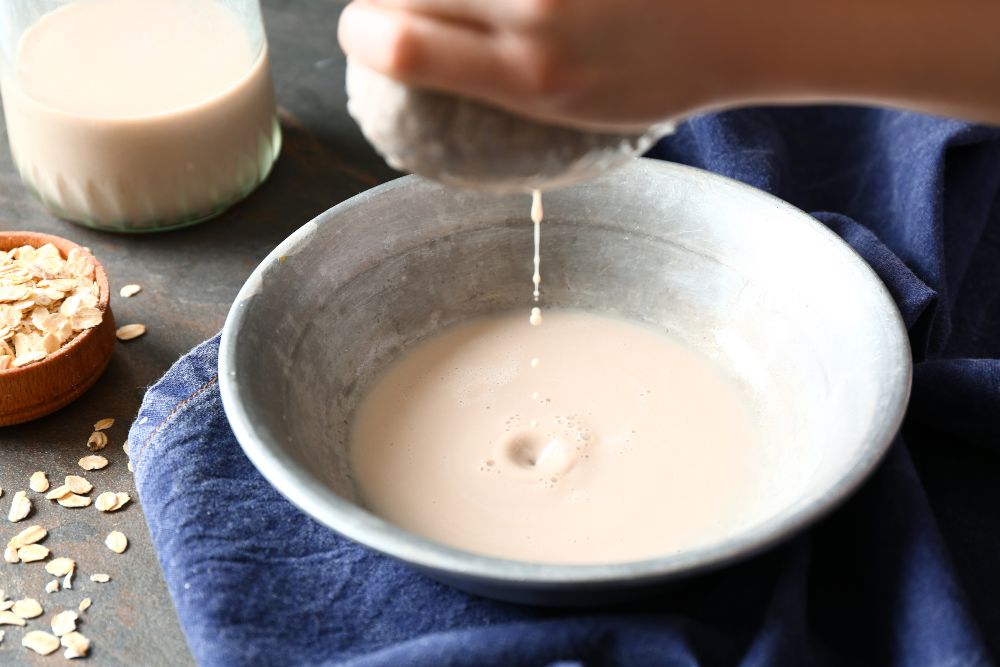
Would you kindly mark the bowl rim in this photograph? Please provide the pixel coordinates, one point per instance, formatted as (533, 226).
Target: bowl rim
(37, 239)
(317, 500)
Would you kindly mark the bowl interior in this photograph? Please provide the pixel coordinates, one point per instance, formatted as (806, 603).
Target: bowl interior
(800, 323)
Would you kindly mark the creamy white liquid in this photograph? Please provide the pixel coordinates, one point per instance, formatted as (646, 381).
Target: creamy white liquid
(140, 113)
(537, 213)
(620, 444)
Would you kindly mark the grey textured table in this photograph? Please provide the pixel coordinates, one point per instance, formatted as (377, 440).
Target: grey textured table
(189, 279)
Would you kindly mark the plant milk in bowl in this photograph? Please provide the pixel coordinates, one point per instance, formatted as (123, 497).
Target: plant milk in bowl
(562, 438)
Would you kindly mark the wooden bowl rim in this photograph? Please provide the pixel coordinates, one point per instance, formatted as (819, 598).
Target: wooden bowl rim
(16, 239)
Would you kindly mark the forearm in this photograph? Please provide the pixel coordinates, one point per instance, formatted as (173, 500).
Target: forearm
(926, 55)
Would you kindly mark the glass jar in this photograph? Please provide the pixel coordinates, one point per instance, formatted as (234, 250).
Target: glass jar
(138, 115)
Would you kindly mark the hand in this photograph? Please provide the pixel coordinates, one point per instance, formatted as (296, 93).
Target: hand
(624, 63)
(595, 63)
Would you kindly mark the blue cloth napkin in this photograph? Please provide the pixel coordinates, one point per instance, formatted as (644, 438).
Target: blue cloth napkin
(906, 573)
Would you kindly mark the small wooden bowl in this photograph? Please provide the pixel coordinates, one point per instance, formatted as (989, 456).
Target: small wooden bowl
(38, 389)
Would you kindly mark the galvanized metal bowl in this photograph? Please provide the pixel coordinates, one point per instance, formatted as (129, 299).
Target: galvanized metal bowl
(801, 323)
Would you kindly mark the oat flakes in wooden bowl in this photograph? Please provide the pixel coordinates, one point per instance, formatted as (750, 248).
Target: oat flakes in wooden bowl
(57, 332)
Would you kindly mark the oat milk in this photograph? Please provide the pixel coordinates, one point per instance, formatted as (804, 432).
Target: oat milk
(140, 113)
(587, 440)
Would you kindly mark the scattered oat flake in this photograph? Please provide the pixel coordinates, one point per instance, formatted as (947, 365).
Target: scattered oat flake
(84, 604)
(74, 501)
(125, 446)
(116, 541)
(64, 622)
(51, 343)
(67, 582)
(10, 618)
(97, 441)
(70, 307)
(93, 462)
(52, 586)
(58, 567)
(106, 502)
(100, 578)
(38, 315)
(77, 646)
(13, 292)
(28, 358)
(20, 507)
(78, 484)
(110, 502)
(27, 608)
(10, 554)
(129, 290)
(79, 262)
(5, 604)
(104, 424)
(130, 331)
(23, 304)
(32, 553)
(40, 642)
(60, 491)
(38, 483)
(86, 318)
(29, 535)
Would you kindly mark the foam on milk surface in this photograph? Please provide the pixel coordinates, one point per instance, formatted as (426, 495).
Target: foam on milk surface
(589, 439)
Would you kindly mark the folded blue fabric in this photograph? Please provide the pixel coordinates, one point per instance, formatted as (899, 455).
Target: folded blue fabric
(906, 573)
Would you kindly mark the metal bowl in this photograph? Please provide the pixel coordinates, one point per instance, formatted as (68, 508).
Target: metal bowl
(803, 325)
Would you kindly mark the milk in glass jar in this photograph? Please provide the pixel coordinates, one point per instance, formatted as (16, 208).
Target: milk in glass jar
(138, 115)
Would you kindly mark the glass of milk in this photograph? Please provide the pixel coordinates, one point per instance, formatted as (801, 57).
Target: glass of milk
(138, 115)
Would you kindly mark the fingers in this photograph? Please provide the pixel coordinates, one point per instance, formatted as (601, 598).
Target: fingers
(422, 50)
(480, 12)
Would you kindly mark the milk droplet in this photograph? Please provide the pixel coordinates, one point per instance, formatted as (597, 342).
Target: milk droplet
(536, 206)
(536, 316)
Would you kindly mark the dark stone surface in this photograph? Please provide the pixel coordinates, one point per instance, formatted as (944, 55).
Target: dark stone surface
(189, 279)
